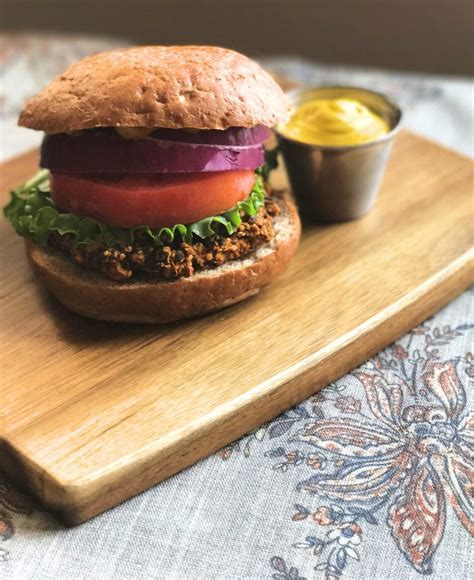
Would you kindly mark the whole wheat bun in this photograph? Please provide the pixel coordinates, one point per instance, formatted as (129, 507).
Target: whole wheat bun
(92, 295)
(200, 87)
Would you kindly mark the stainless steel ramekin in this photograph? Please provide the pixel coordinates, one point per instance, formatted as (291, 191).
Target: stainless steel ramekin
(334, 184)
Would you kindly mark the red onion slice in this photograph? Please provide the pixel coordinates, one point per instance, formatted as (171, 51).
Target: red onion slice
(105, 153)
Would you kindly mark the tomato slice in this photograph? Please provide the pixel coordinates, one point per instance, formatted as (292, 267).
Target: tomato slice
(155, 200)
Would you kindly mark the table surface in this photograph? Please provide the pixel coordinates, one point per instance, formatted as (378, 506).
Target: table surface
(371, 478)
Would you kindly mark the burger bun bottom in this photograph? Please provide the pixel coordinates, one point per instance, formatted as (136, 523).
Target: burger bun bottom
(91, 294)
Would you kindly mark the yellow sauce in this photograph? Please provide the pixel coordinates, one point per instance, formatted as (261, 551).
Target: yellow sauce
(134, 132)
(334, 122)
(142, 132)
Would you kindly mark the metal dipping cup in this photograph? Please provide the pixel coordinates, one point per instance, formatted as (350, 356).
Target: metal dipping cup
(336, 184)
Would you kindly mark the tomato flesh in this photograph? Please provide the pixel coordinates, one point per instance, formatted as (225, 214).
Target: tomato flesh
(155, 200)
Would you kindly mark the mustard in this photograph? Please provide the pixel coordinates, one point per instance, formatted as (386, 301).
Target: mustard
(134, 132)
(142, 132)
(334, 122)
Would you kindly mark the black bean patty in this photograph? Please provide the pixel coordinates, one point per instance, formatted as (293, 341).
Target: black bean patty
(143, 260)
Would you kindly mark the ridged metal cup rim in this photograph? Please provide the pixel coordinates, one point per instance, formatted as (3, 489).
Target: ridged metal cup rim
(294, 95)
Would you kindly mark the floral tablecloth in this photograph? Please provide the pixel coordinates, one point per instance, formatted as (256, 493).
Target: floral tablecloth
(372, 478)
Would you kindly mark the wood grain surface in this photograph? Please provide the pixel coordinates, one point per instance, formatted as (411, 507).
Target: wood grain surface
(93, 412)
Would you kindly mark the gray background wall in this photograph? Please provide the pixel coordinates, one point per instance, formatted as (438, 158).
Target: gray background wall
(430, 35)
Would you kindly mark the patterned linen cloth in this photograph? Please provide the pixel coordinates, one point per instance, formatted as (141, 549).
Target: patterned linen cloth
(372, 478)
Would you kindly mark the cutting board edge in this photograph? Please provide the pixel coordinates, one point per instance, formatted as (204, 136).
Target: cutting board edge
(75, 503)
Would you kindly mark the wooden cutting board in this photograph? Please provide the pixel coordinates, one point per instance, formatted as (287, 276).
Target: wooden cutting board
(93, 412)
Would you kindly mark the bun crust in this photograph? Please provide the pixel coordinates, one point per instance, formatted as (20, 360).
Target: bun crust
(200, 87)
(94, 296)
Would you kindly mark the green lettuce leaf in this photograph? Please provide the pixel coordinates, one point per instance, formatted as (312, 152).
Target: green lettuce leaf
(271, 162)
(32, 214)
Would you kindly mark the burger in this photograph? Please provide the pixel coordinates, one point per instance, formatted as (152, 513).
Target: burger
(153, 203)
